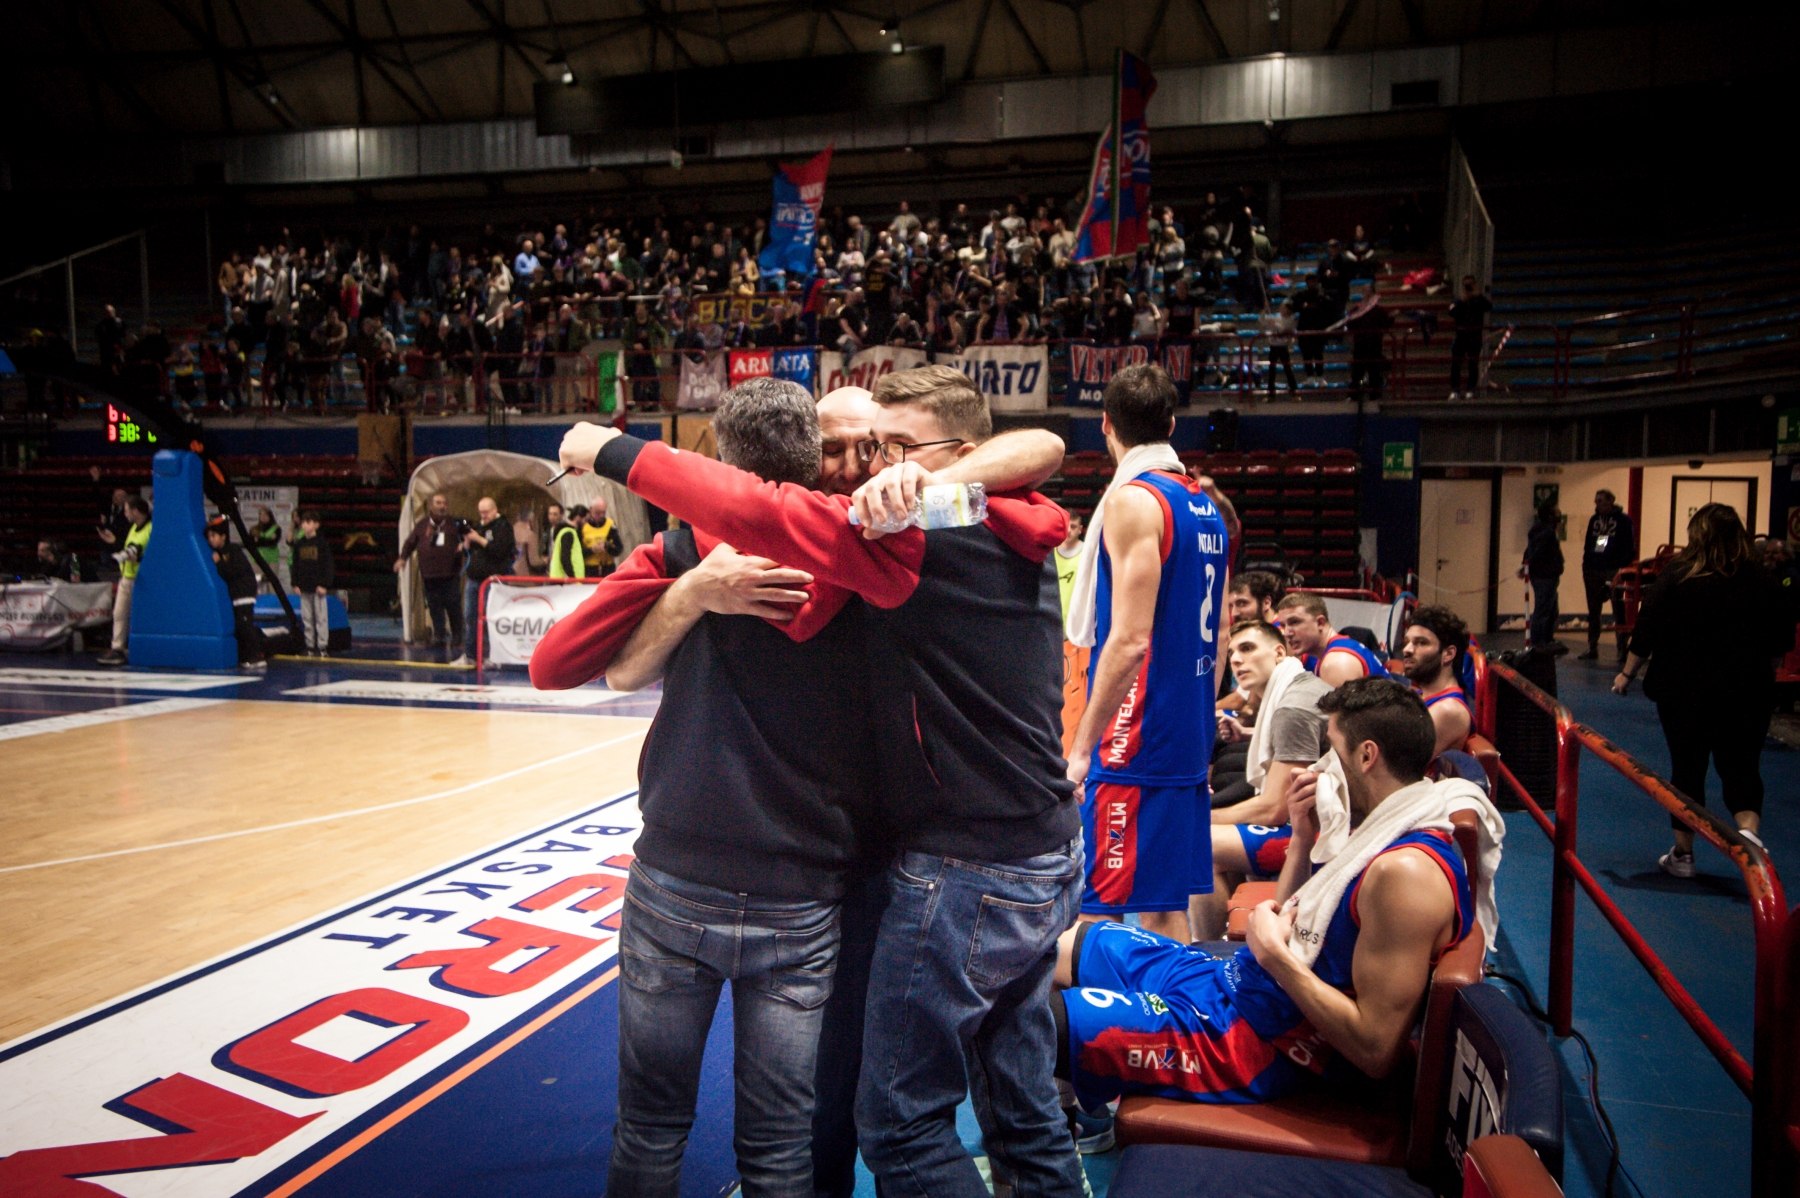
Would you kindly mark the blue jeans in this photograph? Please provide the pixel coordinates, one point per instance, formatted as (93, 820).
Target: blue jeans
(957, 1005)
(680, 943)
(1541, 628)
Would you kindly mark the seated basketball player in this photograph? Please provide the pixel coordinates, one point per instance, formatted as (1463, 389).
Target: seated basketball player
(1437, 642)
(1250, 839)
(1335, 969)
(1306, 623)
(1248, 596)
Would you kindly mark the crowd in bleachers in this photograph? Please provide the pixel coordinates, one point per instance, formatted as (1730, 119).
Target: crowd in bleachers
(302, 321)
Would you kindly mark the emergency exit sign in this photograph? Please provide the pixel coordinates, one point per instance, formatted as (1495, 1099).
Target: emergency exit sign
(1787, 431)
(1397, 461)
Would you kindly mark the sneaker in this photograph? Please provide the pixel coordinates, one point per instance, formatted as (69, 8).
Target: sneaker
(1752, 837)
(462, 663)
(1556, 649)
(1677, 864)
(1093, 1133)
(1590, 655)
(1453, 397)
(112, 657)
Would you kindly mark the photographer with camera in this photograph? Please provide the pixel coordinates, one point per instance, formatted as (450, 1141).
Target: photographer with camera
(129, 557)
(491, 545)
(438, 540)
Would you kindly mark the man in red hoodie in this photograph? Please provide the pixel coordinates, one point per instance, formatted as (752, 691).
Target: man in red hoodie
(964, 643)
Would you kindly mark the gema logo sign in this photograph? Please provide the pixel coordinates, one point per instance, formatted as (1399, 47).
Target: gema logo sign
(285, 1048)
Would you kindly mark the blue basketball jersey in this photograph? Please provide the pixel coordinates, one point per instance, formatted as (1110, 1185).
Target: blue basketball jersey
(1265, 1006)
(1163, 732)
(1450, 694)
(1372, 663)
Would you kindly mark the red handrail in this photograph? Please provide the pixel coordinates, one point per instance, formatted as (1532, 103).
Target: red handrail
(1768, 902)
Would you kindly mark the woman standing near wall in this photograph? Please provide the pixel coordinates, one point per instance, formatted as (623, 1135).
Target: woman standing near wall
(1711, 627)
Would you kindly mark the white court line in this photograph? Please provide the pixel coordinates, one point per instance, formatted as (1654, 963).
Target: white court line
(322, 819)
(105, 715)
(121, 680)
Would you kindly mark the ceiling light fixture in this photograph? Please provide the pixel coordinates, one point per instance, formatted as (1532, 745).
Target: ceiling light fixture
(560, 65)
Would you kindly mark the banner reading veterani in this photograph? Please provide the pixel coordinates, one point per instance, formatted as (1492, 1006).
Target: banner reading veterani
(1092, 366)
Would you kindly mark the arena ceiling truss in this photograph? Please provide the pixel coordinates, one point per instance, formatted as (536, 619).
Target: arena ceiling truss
(187, 67)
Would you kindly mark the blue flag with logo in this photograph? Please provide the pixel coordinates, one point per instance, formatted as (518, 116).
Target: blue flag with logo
(799, 194)
(797, 366)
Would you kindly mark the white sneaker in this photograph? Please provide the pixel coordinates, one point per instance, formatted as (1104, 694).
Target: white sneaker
(1677, 864)
(1752, 837)
(1453, 396)
(462, 663)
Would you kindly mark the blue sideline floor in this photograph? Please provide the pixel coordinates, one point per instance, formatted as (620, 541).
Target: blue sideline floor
(1683, 1127)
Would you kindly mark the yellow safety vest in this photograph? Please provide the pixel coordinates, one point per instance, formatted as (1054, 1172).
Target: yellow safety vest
(139, 537)
(576, 555)
(593, 540)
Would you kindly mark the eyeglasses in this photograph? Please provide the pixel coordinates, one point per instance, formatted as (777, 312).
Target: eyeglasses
(894, 452)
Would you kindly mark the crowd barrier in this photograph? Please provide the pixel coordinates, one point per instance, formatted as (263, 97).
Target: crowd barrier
(1771, 1083)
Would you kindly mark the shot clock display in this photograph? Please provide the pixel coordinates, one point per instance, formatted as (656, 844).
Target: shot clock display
(121, 429)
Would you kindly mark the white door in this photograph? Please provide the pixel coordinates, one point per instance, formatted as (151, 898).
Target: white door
(1690, 494)
(1453, 546)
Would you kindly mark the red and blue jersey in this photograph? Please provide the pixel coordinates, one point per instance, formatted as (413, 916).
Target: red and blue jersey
(1150, 1016)
(1163, 732)
(1450, 694)
(1373, 666)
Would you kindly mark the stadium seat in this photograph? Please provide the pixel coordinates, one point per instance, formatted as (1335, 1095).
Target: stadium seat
(1324, 1125)
(1482, 749)
(1496, 1073)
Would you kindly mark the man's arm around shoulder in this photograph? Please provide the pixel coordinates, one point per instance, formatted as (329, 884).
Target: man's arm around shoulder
(581, 646)
(800, 528)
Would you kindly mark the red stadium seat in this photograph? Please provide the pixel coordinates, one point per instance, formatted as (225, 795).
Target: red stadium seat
(1324, 1125)
(1506, 1167)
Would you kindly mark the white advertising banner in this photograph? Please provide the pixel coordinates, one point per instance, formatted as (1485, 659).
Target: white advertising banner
(292, 1045)
(1015, 378)
(864, 367)
(42, 614)
(519, 616)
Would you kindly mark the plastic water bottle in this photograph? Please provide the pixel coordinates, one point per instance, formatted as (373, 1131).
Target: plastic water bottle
(941, 505)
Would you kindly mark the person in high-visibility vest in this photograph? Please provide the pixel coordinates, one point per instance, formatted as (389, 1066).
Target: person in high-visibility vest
(265, 537)
(1075, 659)
(600, 539)
(129, 557)
(567, 560)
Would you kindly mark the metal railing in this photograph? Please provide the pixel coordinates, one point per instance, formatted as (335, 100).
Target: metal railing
(1768, 903)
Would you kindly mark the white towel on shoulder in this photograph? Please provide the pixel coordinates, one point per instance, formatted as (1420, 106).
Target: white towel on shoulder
(1421, 806)
(1080, 625)
(1262, 748)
